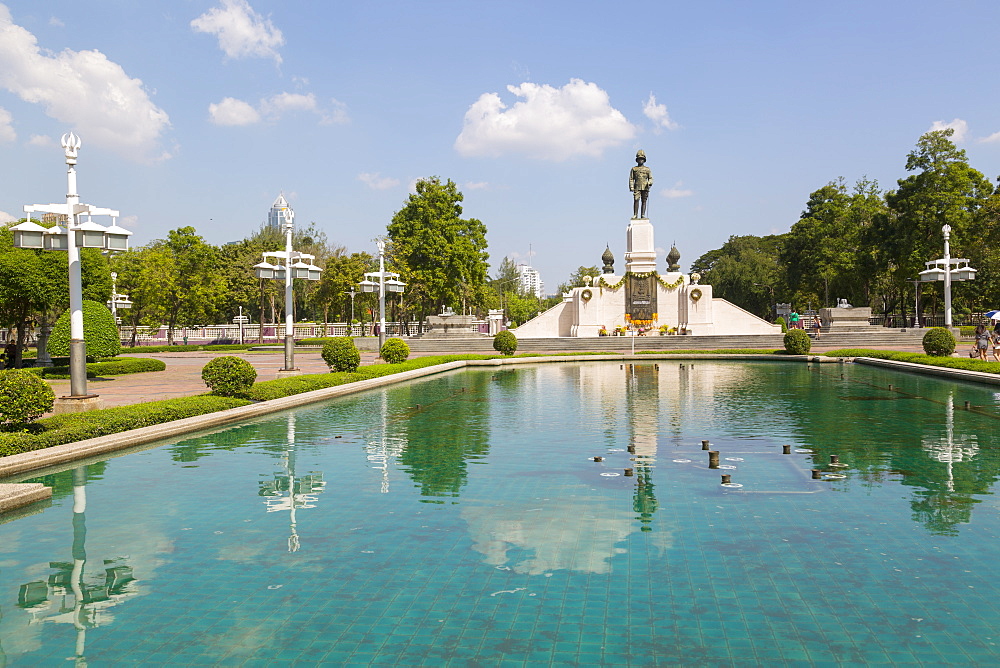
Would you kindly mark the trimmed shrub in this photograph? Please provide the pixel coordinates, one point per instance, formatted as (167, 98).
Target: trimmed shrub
(797, 342)
(72, 427)
(100, 332)
(23, 397)
(315, 341)
(394, 351)
(939, 342)
(781, 321)
(341, 354)
(117, 367)
(505, 343)
(229, 376)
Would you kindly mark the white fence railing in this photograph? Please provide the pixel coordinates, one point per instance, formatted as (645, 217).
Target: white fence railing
(272, 333)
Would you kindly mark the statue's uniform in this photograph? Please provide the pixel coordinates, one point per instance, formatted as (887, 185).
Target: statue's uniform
(639, 179)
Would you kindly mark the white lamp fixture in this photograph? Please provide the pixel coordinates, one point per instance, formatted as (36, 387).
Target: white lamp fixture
(56, 238)
(29, 235)
(116, 237)
(89, 235)
(264, 269)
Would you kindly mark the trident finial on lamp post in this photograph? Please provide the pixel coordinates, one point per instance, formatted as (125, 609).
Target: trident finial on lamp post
(71, 144)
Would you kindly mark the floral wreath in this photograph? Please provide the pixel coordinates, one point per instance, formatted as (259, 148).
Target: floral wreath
(586, 295)
(645, 274)
(696, 294)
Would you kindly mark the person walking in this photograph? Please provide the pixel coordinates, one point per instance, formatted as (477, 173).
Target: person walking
(793, 320)
(996, 341)
(817, 325)
(982, 341)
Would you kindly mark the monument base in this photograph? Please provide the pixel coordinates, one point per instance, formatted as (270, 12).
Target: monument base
(451, 326)
(87, 402)
(285, 373)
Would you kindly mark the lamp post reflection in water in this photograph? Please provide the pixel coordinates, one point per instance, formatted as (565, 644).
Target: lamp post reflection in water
(89, 600)
(289, 492)
(947, 507)
(382, 451)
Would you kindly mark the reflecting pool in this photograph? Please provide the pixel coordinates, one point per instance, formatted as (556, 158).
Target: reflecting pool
(462, 520)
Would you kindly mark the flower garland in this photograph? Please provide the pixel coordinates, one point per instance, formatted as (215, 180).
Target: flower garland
(696, 294)
(646, 274)
(586, 295)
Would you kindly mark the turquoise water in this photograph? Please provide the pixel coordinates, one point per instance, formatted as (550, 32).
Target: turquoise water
(461, 520)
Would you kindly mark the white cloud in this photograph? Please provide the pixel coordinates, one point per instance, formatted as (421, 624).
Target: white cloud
(44, 141)
(129, 221)
(56, 23)
(377, 182)
(992, 139)
(276, 105)
(335, 115)
(658, 114)
(83, 89)
(960, 127)
(242, 32)
(232, 112)
(476, 185)
(6, 126)
(6, 217)
(677, 191)
(547, 123)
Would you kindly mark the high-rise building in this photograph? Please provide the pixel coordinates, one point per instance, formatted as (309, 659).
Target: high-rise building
(276, 216)
(530, 280)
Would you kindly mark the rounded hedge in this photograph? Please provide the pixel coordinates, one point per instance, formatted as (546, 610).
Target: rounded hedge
(229, 376)
(939, 342)
(341, 354)
(505, 342)
(23, 397)
(100, 332)
(394, 351)
(797, 342)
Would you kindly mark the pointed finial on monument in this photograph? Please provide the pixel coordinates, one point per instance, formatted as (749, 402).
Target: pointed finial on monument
(673, 257)
(609, 260)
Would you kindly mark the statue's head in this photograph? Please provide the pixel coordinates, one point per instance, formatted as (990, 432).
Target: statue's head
(640, 156)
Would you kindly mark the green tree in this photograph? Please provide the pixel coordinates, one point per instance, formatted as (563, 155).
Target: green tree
(746, 271)
(825, 253)
(576, 278)
(441, 256)
(139, 272)
(31, 283)
(187, 282)
(943, 190)
(342, 274)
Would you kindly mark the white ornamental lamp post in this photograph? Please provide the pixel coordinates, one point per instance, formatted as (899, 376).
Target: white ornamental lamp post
(381, 282)
(948, 269)
(117, 300)
(71, 239)
(291, 270)
(350, 325)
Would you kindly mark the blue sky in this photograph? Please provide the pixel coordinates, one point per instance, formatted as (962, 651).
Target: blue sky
(199, 112)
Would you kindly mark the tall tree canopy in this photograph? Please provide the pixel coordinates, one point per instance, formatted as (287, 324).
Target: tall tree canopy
(441, 256)
(826, 252)
(746, 271)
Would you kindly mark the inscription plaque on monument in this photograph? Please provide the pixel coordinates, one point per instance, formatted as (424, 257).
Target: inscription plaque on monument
(640, 300)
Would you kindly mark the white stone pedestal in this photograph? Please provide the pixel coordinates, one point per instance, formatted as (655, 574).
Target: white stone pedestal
(89, 402)
(640, 256)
